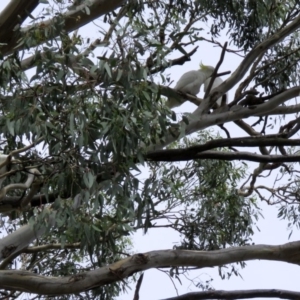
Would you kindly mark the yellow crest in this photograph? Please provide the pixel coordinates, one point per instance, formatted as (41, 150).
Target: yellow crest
(202, 66)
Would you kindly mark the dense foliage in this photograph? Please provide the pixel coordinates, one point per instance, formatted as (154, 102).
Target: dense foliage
(89, 117)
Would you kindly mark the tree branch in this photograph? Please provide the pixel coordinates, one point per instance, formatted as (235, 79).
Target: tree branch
(14, 14)
(177, 61)
(201, 122)
(21, 186)
(184, 156)
(10, 203)
(36, 249)
(33, 283)
(213, 76)
(22, 237)
(240, 294)
(74, 19)
(271, 140)
(238, 75)
(138, 287)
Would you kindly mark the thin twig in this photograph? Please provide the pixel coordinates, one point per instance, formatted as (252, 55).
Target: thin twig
(213, 76)
(137, 288)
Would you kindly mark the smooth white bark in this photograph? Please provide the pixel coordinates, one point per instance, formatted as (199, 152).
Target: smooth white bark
(26, 281)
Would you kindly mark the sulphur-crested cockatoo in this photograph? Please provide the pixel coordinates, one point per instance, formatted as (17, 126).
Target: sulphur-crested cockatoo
(190, 82)
(216, 83)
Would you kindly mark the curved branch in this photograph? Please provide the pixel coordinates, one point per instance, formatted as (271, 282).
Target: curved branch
(34, 188)
(13, 244)
(201, 122)
(262, 109)
(40, 248)
(272, 140)
(261, 48)
(22, 237)
(18, 151)
(182, 156)
(6, 160)
(33, 283)
(10, 203)
(74, 19)
(8, 260)
(283, 110)
(239, 294)
(14, 14)
(21, 186)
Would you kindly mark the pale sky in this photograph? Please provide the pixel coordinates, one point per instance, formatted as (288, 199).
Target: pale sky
(257, 274)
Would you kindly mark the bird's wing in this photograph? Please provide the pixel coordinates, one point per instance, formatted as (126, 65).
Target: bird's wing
(216, 83)
(186, 79)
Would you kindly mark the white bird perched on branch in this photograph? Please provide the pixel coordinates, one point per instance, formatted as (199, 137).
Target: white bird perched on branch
(190, 82)
(216, 83)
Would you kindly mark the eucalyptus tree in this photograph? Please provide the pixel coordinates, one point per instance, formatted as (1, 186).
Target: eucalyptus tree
(91, 153)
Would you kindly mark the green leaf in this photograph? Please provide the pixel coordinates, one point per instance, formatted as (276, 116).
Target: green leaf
(107, 68)
(60, 75)
(10, 126)
(89, 179)
(87, 10)
(96, 228)
(120, 72)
